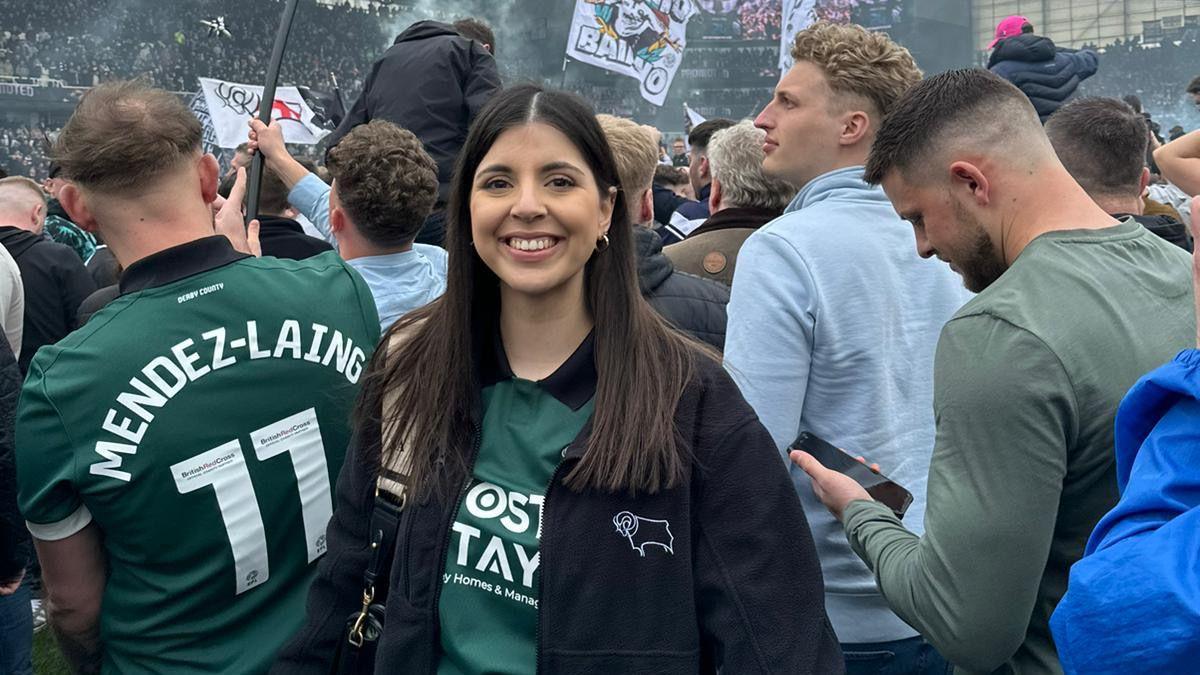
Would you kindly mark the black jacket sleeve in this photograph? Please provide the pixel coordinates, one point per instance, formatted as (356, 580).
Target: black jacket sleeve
(482, 82)
(760, 594)
(336, 593)
(357, 114)
(14, 540)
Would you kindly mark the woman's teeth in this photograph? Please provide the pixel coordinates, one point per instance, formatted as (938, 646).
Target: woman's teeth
(531, 244)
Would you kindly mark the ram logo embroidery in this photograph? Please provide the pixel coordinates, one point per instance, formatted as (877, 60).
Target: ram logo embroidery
(642, 532)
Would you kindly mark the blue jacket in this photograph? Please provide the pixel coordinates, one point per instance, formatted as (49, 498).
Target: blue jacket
(1133, 602)
(1045, 74)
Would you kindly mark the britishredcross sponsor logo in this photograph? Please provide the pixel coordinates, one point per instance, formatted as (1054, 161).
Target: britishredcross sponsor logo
(230, 104)
(642, 39)
(285, 433)
(208, 466)
(642, 532)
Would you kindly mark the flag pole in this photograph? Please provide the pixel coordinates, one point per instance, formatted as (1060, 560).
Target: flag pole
(337, 92)
(264, 107)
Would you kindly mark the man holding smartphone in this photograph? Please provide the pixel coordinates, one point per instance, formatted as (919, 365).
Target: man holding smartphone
(1073, 307)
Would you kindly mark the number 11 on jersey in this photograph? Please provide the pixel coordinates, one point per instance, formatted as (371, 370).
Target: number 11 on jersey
(224, 468)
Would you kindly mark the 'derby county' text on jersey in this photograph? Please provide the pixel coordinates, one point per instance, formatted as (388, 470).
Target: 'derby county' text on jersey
(200, 421)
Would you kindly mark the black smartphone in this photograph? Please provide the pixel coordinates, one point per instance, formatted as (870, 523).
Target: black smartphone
(881, 488)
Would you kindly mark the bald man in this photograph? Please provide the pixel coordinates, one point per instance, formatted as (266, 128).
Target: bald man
(53, 277)
(1073, 306)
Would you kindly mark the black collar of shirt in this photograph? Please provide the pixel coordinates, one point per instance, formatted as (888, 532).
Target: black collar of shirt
(573, 384)
(179, 262)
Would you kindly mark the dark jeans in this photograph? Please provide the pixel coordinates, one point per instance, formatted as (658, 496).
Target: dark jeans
(16, 632)
(433, 232)
(913, 656)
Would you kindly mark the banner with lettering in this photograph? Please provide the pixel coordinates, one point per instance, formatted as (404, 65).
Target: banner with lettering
(642, 39)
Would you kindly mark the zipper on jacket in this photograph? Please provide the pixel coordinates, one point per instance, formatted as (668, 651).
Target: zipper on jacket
(445, 549)
(542, 558)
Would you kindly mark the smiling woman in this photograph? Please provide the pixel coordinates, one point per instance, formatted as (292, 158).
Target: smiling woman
(582, 488)
(538, 215)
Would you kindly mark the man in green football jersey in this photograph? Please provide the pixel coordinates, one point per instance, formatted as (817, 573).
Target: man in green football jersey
(176, 455)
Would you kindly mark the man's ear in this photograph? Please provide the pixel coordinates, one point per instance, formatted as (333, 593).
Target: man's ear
(856, 124)
(646, 207)
(965, 176)
(705, 170)
(714, 196)
(210, 173)
(337, 220)
(1144, 182)
(75, 204)
(39, 214)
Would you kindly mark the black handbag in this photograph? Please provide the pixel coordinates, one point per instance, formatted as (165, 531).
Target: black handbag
(357, 649)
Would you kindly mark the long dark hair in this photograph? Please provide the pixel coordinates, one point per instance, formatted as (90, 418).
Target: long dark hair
(421, 389)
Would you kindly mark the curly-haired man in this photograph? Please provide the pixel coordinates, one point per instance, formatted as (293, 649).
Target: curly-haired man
(384, 186)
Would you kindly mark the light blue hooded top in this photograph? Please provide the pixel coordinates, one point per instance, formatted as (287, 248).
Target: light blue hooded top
(833, 324)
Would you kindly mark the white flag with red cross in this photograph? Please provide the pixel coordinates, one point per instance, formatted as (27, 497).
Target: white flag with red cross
(231, 104)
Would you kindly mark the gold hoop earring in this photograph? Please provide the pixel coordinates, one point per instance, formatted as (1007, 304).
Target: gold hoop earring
(602, 243)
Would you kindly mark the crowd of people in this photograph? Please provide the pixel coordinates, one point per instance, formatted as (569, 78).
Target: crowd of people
(85, 43)
(23, 150)
(741, 64)
(1127, 65)
(760, 19)
(561, 395)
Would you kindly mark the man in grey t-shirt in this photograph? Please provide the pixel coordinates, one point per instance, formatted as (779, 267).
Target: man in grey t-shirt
(1073, 307)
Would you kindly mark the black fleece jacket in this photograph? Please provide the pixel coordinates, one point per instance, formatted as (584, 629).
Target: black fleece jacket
(740, 591)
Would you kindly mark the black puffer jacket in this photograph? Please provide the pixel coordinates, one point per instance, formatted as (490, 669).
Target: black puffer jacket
(693, 305)
(1046, 74)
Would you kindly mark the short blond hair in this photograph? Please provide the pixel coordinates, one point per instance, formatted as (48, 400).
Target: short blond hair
(19, 195)
(636, 153)
(858, 62)
(19, 182)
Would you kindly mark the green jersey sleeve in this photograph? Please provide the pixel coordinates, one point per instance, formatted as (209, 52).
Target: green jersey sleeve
(45, 457)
